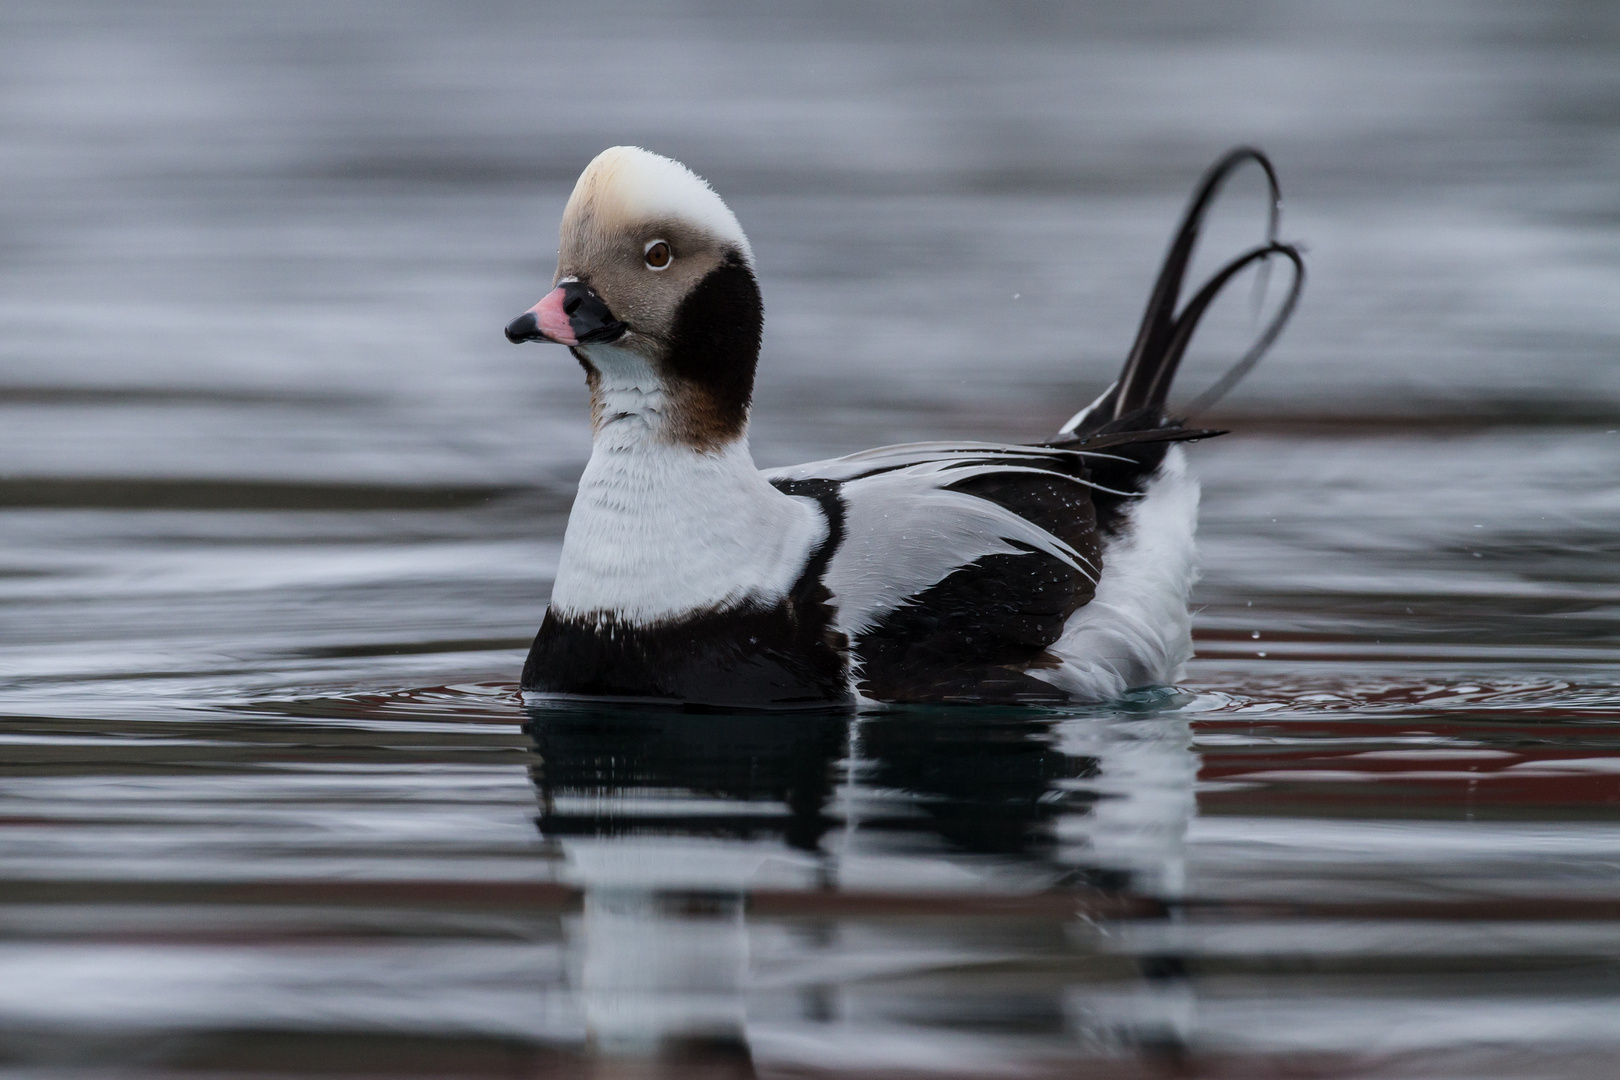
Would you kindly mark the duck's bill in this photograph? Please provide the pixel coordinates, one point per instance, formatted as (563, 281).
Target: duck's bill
(570, 314)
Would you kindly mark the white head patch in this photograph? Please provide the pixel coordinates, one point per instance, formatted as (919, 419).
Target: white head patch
(634, 185)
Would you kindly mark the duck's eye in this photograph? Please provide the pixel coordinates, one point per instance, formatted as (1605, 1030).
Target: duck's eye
(657, 254)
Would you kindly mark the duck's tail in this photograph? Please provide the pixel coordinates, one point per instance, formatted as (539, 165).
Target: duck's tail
(1136, 402)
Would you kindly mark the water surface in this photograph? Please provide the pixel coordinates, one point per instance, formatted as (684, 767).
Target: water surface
(279, 510)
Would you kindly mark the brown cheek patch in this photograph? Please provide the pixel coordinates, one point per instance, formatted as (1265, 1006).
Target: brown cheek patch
(708, 365)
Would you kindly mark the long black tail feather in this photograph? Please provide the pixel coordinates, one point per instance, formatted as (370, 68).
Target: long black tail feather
(1137, 400)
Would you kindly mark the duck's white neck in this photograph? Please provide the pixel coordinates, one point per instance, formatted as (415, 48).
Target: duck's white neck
(629, 402)
(661, 529)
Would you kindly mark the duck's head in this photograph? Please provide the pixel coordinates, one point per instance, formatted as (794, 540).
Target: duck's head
(655, 283)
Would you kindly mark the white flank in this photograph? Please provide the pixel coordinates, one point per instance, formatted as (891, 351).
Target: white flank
(661, 530)
(1137, 630)
(632, 184)
(904, 531)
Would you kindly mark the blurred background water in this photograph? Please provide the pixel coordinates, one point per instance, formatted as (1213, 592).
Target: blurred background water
(279, 509)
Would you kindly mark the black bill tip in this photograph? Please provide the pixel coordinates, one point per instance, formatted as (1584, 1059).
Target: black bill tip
(523, 328)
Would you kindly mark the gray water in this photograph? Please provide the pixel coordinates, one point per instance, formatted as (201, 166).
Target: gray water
(279, 509)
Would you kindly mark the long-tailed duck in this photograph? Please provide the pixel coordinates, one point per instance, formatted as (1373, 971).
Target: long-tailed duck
(927, 572)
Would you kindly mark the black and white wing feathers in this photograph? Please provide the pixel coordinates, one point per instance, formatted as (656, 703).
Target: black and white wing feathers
(960, 564)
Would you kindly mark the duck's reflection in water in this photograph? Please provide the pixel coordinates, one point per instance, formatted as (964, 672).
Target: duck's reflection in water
(671, 822)
(667, 818)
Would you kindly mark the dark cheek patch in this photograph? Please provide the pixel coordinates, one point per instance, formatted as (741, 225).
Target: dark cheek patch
(714, 347)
